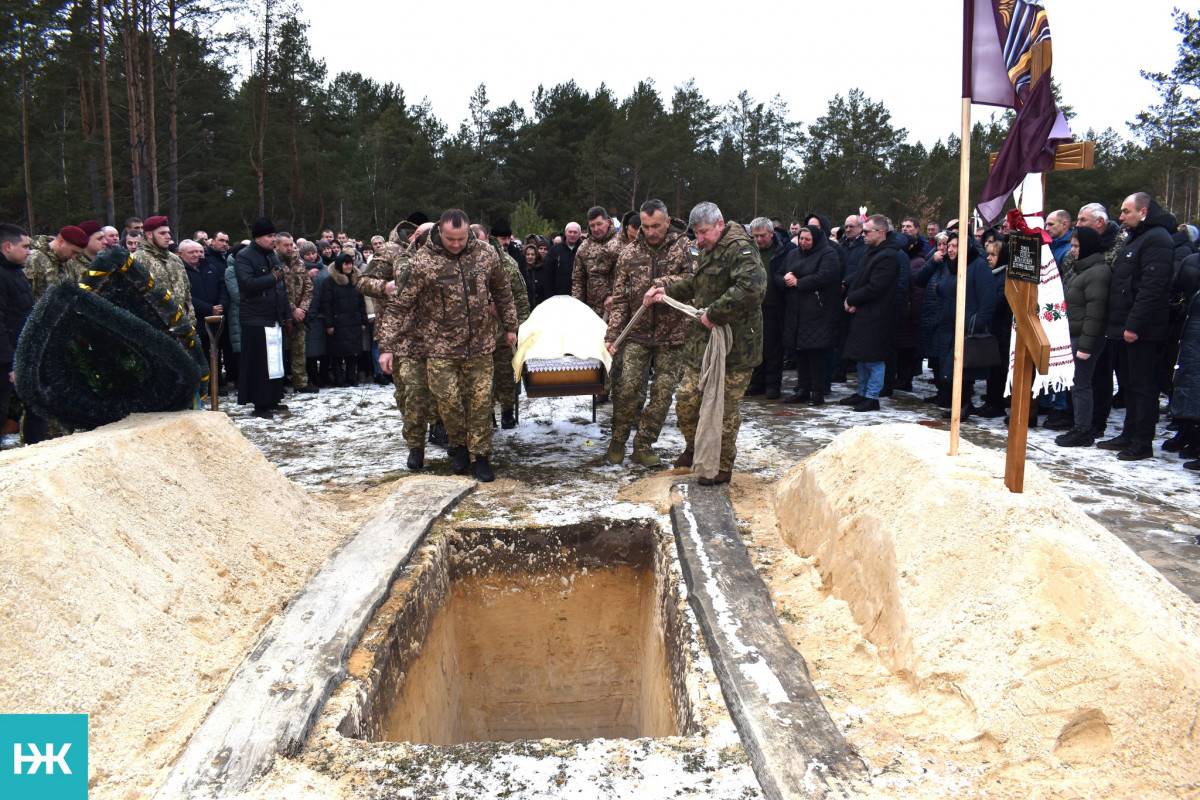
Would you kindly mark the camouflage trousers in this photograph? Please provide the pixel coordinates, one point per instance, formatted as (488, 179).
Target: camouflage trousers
(462, 389)
(503, 383)
(413, 399)
(629, 391)
(299, 366)
(687, 410)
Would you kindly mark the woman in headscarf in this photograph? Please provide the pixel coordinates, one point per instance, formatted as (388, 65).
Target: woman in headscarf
(809, 282)
(1086, 292)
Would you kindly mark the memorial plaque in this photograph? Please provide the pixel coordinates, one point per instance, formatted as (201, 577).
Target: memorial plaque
(1025, 258)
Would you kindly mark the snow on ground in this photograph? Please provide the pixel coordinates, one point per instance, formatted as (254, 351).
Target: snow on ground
(348, 438)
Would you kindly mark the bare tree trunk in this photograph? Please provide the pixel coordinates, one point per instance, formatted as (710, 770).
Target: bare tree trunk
(148, 120)
(129, 41)
(106, 121)
(25, 135)
(87, 123)
(297, 184)
(259, 163)
(173, 133)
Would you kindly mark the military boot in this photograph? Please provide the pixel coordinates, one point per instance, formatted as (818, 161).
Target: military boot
(460, 459)
(684, 460)
(416, 459)
(723, 476)
(646, 458)
(616, 453)
(508, 418)
(483, 470)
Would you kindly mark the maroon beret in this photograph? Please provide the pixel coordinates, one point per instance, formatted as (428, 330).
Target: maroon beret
(74, 235)
(154, 223)
(89, 226)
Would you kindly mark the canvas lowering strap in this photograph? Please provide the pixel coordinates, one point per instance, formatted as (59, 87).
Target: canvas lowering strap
(706, 459)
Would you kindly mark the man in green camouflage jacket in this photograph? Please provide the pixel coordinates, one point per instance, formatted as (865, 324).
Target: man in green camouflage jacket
(504, 382)
(728, 284)
(400, 352)
(166, 267)
(659, 253)
(299, 291)
(50, 259)
(452, 282)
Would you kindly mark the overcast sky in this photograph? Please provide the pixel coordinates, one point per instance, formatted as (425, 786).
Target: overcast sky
(907, 56)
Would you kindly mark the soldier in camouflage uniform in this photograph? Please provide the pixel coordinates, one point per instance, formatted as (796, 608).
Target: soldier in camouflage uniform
(299, 292)
(592, 275)
(729, 283)
(50, 259)
(400, 352)
(503, 379)
(659, 254)
(80, 263)
(166, 268)
(452, 282)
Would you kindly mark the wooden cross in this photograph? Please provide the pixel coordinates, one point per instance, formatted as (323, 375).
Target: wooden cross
(1032, 350)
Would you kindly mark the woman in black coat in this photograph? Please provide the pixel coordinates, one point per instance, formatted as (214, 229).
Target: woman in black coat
(810, 280)
(345, 313)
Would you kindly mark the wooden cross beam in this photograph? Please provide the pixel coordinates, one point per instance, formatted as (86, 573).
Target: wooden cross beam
(1032, 349)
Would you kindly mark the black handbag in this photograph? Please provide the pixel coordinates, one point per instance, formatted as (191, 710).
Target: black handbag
(980, 350)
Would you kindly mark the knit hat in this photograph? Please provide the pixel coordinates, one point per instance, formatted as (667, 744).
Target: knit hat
(154, 223)
(74, 235)
(261, 227)
(418, 218)
(90, 227)
(501, 227)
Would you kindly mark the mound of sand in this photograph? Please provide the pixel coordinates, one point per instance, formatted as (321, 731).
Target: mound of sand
(141, 561)
(1027, 633)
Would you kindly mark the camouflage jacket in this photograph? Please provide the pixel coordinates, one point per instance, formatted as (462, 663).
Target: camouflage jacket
(516, 282)
(450, 296)
(729, 282)
(592, 275)
(44, 268)
(169, 272)
(394, 332)
(640, 267)
(296, 280)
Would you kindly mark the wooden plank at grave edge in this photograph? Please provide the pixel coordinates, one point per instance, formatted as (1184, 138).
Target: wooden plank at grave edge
(819, 739)
(209, 765)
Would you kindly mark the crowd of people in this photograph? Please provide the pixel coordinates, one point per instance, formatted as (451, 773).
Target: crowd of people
(434, 307)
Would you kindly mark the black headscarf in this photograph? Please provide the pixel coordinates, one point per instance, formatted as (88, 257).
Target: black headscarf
(1089, 241)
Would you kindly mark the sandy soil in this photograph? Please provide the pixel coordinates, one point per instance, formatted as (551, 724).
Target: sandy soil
(136, 575)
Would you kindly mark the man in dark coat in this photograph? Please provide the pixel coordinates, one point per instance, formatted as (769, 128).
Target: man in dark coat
(1138, 299)
(870, 302)
(772, 250)
(555, 276)
(263, 305)
(16, 301)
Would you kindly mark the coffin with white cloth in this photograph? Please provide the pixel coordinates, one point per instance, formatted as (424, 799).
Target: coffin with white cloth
(560, 351)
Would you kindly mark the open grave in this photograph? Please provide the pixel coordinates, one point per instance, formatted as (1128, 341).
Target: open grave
(502, 635)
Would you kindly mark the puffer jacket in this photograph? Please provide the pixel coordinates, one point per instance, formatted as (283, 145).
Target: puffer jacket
(451, 295)
(344, 309)
(1086, 293)
(638, 268)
